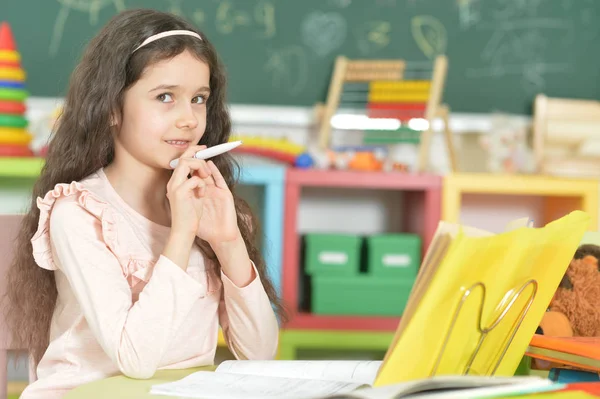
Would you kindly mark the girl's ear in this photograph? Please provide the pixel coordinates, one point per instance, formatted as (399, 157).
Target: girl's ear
(115, 119)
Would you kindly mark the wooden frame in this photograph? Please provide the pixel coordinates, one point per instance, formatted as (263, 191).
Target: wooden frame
(360, 70)
(563, 129)
(561, 195)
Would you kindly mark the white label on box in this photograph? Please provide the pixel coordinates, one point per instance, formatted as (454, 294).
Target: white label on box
(395, 260)
(333, 258)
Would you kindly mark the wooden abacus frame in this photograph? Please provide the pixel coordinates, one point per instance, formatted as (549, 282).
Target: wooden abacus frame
(360, 70)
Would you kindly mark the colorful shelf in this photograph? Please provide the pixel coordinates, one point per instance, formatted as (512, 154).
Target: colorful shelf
(305, 320)
(422, 213)
(561, 195)
(272, 178)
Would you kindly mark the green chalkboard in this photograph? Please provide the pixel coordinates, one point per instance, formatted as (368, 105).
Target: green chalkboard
(501, 52)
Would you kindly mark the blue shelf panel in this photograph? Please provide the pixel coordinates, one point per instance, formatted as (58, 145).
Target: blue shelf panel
(272, 178)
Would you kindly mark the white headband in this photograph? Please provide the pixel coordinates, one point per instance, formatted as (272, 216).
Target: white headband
(165, 34)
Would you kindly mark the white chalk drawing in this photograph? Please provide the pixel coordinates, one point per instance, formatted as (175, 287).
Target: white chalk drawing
(469, 13)
(175, 7)
(430, 35)
(324, 32)
(506, 10)
(373, 36)
(389, 3)
(229, 18)
(92, 7)
(340, 3)
(589, 15)
(288, 68)
(567, 4)
(264, 15)
(198, 17)
(520, 39)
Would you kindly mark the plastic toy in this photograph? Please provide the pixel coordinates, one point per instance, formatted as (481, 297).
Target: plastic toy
(280, 150)
(14, 137)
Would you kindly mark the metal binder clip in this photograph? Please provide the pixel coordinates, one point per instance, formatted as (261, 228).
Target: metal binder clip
(484, 331)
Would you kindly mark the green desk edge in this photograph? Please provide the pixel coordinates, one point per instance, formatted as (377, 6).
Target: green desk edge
(128, 388)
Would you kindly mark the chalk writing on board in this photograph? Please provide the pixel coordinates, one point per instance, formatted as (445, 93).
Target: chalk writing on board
(429, 34)
(373, 36)
(340, 3)
(264, 14)
(91, 7)
(589, 16)
(468, 13)
(229, 18)
(288, 68)
(324, 32)
(175, 7)
(198, 17)
(519, 42)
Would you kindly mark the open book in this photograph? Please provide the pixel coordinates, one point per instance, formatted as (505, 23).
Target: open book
(334, 379)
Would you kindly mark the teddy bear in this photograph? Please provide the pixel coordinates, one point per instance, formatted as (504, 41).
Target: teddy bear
(577, 297)
(574, 310)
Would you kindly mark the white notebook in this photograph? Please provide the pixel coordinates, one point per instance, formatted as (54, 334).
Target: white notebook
(333, 379)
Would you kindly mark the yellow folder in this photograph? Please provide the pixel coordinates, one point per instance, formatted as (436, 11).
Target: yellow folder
(478, 299)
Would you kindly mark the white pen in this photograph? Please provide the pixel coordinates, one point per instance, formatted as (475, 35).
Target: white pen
(210, 152)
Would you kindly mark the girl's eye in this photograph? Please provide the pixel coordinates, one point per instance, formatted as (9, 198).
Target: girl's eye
(165, 98)
(198, 100)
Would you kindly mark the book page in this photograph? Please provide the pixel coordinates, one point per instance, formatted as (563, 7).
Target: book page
(209, 385)
(359, 372)
(454, 387)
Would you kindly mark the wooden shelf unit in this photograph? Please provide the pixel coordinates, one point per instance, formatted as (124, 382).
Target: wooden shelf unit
(561, 195)
(423, 194)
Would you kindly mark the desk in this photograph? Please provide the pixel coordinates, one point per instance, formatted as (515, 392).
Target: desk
(121, 387)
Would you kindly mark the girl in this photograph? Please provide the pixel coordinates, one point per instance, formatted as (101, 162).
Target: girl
(124, 265)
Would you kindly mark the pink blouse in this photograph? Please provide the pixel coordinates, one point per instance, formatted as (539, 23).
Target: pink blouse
(122, 307)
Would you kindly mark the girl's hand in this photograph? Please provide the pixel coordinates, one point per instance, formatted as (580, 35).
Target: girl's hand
(218, 221)
(186, 195)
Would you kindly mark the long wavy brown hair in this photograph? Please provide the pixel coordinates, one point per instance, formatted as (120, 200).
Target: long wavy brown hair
(82, 143)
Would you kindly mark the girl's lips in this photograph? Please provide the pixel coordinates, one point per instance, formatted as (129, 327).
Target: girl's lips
(178, 143)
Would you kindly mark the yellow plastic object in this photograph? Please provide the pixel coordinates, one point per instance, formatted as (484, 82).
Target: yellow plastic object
(10, 56)
(12, 135)
(483, 303)
(562, 195)
(13, 74)
(275, 144)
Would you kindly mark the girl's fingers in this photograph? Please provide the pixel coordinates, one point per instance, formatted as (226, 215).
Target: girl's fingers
(189, 153)
(191, 184)
(186, 167)
(217, 176)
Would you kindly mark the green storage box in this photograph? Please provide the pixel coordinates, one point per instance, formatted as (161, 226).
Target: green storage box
(332, 254)
(360, 295)
(394, 255)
